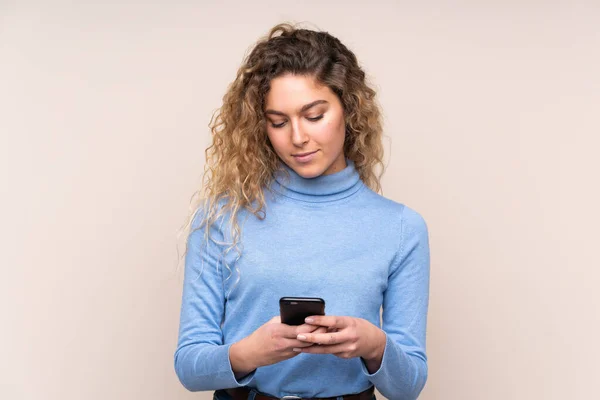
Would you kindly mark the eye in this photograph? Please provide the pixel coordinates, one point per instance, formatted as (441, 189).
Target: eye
(278, 125)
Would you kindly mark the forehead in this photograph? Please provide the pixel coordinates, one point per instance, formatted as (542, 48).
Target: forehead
(289, 93)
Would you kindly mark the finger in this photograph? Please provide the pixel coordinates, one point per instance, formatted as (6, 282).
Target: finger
(335, 349)
(293, 343)
(323, 338)
(320, 330)
(275, 320)
(292, 331)
(306, 328)
(330, 321)
(311, 329)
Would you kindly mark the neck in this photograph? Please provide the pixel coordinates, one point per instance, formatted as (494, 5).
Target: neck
(323, 188)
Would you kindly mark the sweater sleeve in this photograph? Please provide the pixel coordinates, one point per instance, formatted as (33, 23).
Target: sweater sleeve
(201, 359)
(403, 371)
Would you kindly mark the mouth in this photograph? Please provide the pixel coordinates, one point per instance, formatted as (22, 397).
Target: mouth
(304, 154)
(305, 158)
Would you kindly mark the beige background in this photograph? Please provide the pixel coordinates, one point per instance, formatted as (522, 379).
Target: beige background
(492, 116)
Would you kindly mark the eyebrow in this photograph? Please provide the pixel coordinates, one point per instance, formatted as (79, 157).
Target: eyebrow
(304, 107)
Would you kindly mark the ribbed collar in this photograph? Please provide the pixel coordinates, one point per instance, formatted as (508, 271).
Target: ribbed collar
(323, 188)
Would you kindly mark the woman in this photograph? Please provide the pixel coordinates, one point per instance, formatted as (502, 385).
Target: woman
(291, 209)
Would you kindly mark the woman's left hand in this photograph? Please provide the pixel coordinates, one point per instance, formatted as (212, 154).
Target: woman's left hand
(347, 337)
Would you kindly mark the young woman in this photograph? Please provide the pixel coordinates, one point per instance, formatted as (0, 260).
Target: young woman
(291, 208)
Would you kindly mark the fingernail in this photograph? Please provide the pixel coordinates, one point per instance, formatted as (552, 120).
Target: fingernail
(301, 337)
(297, 350)
(309, 320)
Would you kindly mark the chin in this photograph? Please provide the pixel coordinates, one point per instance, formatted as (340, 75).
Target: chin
(308, 171)
(309, 175)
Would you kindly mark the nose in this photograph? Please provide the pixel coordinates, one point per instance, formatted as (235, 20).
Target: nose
(299, 137)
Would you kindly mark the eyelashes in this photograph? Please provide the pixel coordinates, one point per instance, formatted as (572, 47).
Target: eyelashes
(315, 119)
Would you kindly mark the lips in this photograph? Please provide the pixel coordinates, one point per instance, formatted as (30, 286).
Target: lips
(304, 154)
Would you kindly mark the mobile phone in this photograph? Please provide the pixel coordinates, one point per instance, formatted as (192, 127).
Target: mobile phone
(294, 310)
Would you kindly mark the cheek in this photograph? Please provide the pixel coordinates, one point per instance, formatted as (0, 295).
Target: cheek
(330, 132)
(276, 140)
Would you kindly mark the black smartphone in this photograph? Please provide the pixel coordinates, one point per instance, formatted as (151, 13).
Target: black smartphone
(294, 310)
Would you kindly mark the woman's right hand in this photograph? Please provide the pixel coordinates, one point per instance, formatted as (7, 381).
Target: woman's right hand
(271, 343)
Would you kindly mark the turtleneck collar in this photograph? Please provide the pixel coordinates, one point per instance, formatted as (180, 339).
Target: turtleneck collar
(323, 188)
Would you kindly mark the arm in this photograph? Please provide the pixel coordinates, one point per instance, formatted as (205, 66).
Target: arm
(202, 361)
(402, 372)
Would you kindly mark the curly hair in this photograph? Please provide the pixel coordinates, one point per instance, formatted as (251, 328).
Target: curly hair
(240, 162)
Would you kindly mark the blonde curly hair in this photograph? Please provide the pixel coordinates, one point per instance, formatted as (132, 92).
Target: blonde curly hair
(240, 162)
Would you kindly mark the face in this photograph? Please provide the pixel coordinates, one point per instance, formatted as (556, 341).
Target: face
(305, 124)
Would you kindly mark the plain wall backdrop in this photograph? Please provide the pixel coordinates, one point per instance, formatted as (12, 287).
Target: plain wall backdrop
(492, 133)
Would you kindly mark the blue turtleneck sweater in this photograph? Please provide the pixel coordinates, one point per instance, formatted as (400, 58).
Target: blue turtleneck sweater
(330, 237)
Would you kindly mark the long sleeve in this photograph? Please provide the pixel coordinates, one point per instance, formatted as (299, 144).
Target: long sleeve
(201, 359)
(403, 371)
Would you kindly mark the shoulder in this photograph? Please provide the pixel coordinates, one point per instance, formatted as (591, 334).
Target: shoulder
(413, 221)
(216, 212)
(409, 218)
